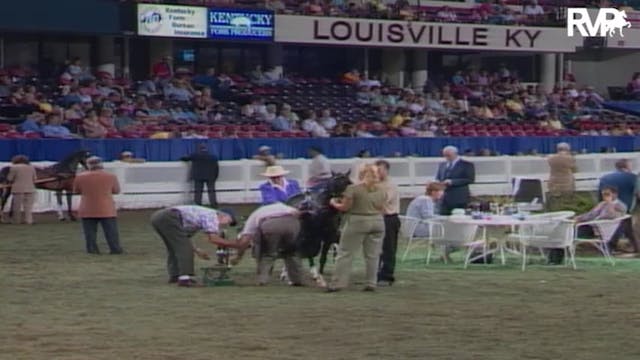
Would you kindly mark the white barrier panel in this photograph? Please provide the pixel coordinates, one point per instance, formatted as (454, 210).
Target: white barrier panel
(158, 184)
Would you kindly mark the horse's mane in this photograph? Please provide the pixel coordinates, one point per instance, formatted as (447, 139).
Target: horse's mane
(4, 173)
(66, 163)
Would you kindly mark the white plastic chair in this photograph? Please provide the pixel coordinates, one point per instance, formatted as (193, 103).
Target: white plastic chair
(456, 234)
(540, 231)
(604, 230)
(408, 227)
(560, 237)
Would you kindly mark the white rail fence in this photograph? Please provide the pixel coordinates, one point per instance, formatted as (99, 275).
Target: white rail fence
(158, 184)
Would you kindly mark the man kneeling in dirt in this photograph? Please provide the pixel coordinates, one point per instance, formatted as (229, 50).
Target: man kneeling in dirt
(273, 229)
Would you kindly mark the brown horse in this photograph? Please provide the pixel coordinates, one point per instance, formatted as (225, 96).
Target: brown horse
(57, 177)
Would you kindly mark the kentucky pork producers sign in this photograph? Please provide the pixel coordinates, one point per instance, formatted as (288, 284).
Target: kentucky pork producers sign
(241, 25)
(172, 21)
(388, 33)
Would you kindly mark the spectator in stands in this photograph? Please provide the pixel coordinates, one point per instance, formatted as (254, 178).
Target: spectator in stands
(277, 6)
(74, 114)
(625, 181)
(277, 188)
(22, 176)
(445, 14)
(327, 121)
(351, 77)
(76, 70)
(91, 126)
(311, 125)
(96, 188)
(319, 168)
(533, 11)
(5, 86)
(369, 83)
(163, 69)
(425, 207)
(54, 128)
(562, 166)
(32, 123)
(178, 90)
(124, 121)
(633, 87)
(287, 119)
(363, 132)
(264, 155)
(204, 171)
(208, 80)
(106, 119)
(456, 174)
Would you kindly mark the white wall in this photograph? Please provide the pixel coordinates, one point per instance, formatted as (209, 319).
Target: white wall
(159, 184)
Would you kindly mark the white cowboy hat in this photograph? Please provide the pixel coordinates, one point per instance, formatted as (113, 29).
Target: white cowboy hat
(274, 171)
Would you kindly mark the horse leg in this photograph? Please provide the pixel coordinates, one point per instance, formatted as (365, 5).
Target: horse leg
(59, 206)
(326, 245)
(313, 269)
(3, 202)
(69, 195)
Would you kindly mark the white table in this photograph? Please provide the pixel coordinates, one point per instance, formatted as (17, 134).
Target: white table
(498, 221)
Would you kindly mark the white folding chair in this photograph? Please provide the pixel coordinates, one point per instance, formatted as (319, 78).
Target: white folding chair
(604, 230)
(539, 231)
(408, 227)
(456, 234)
(560, 237)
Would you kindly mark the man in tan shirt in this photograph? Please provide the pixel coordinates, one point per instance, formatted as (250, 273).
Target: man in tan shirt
(391, 225)
(562, 166)
(22, 176)
(96, 188)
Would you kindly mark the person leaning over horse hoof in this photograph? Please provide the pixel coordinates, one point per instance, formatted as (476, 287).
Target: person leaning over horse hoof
(364, 204)
(22, 177)
(177, 225)
(97, 206)
(273, 229)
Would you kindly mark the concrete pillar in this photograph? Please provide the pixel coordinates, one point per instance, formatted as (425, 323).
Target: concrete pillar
(393, 66)
(159, 48)
(126, 57)
(547, 71)
(560, 69)
(1, 52)
(365, 63)
(106, 55)
(275, 58)
(419, 74)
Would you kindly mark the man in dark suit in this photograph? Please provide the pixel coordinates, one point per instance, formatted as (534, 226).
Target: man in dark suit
(457, 175)
(625, 182)
(204, 170)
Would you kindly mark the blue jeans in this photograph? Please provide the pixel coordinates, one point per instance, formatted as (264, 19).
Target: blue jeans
(110, 229)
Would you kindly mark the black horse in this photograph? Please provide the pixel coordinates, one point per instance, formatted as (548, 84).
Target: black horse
(57, 177)
(319, 221)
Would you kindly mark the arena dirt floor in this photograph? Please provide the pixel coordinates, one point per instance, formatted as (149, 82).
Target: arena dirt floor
(59, 303)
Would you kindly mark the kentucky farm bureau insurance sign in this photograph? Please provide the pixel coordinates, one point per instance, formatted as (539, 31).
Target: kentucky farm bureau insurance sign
(387, 33)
